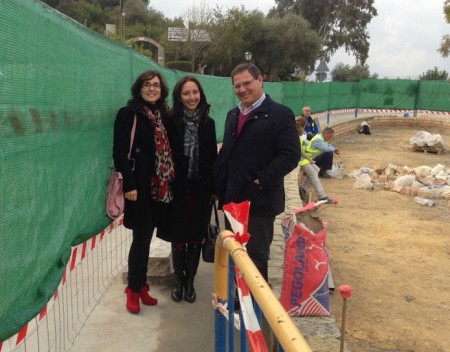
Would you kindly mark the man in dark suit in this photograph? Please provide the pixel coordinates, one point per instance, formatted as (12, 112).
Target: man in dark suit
(260, 147)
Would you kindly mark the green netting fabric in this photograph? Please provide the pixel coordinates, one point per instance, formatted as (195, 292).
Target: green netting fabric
(60, 87)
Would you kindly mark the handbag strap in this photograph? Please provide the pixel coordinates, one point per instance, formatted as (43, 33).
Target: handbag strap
(216, 216)
(133, 131)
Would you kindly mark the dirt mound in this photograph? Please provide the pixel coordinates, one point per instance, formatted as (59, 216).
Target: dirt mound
(394, 252)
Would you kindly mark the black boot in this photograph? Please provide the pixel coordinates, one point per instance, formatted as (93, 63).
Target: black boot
(179, 266)
(192, 260)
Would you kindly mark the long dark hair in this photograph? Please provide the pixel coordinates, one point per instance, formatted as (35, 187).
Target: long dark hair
(136, 97)
(178, 107)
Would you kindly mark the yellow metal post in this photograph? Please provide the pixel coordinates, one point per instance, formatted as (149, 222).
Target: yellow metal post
(280, 322)
(220, 269)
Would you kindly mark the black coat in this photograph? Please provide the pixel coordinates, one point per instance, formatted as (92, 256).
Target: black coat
(267, 149)
(181, 227)
(144, 213)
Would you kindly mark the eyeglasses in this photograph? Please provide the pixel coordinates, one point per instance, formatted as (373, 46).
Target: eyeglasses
(245, 84)
(148, 85)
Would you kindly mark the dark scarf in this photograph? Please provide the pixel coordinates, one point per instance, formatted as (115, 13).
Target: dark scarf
(191, 121)
(164, 169)
(311, 123)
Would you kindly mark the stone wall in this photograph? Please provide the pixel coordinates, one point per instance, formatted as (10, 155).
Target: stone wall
(422, 121)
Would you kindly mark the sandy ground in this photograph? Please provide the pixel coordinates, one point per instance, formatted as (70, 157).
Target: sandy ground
(393, 252)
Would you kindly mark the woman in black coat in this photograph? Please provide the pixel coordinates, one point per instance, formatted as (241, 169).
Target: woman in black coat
(192, 138)
(147, 174)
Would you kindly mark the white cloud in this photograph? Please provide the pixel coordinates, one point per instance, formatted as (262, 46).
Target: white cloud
(174, 8)
(404, 37)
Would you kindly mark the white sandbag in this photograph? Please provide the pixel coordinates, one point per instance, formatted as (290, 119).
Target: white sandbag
(433, 140)
(422, 171)
(363, 181)
(420, 138)
(405, 180)
(437, 169)
(360, 171)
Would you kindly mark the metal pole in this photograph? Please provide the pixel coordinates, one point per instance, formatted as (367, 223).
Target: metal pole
(345, 292)
(281, 323)
(220, 287)
(344, 309)
(120, 18)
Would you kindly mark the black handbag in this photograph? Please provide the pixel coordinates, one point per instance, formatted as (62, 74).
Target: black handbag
(209, 242)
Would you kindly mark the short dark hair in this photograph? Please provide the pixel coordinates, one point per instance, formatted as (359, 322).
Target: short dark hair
(251, 68)
(178, 108)
(139, 82)
(328, 129)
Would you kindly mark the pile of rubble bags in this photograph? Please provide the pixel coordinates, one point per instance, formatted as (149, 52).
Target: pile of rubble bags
(422, 181)
(427, 142)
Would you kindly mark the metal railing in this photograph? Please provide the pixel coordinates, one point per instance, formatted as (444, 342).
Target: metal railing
(228, 251)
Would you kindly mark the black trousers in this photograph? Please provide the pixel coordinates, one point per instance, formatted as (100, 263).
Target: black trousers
(138, 259)
(324, 161)
(260, 229)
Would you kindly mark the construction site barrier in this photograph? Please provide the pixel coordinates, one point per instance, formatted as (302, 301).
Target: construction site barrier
(285, 330)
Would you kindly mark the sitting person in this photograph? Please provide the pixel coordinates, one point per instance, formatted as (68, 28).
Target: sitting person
(312, 126)
(365, 128)
(308, 173)
(322, 152)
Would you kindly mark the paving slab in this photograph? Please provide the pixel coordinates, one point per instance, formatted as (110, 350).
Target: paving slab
(183, 326)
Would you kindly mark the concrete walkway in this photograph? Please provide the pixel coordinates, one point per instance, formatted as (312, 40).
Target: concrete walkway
(173, 327)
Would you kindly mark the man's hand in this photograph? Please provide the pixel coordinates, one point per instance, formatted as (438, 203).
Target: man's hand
(337, 151)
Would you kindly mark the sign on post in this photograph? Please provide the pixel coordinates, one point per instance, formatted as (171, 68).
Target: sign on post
(177, 34)
(180, 34)
(199, 35)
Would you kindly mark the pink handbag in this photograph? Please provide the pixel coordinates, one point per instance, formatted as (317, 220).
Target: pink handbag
(115, 198)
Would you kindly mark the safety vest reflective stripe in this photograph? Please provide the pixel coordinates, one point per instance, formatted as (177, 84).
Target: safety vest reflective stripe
(312, 152)
(303, 160)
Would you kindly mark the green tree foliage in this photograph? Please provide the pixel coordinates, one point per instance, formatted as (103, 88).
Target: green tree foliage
(444, 49)
(434, 75)
(293, 44)
(140, 20)
(345, 73)
(278, 44)
(89, 13)
(340, 23)
(281, 44)
(233, 33)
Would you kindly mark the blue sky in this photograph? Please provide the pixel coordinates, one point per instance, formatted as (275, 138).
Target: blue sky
(404, 37)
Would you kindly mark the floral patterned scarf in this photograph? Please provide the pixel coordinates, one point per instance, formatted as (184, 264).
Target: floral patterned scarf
(164, 169)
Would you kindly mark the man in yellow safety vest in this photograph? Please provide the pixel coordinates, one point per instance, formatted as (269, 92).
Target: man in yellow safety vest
(308, 173)
(321, 151)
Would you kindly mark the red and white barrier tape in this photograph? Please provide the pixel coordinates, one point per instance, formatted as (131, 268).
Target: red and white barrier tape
(237, 215)
(253, 330)
(78, 255)
(378, 111)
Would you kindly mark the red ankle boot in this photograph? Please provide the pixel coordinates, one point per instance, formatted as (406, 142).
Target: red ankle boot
(146, 298)
(132, 301)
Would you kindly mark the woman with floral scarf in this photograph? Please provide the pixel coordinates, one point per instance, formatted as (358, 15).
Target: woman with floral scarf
(147, 173)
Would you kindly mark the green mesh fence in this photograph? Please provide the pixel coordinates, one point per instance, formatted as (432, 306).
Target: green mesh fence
(60, 87)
